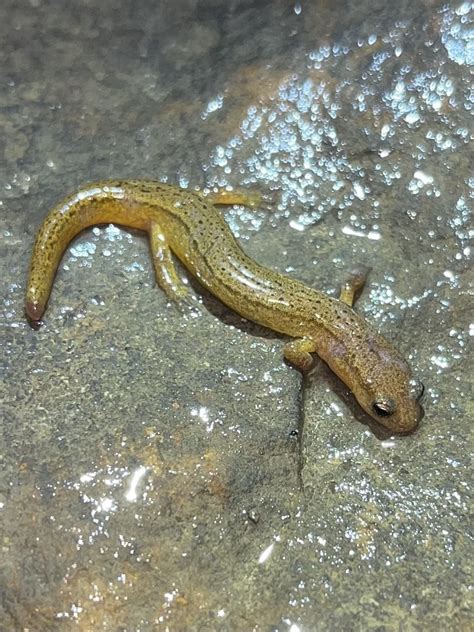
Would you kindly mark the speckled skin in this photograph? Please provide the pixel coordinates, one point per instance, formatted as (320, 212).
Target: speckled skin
(188, 224)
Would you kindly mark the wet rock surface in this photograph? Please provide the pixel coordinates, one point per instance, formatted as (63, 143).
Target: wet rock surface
(162, 470)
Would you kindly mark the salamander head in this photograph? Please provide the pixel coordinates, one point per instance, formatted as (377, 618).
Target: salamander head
(400, 411)
(391, 396)
(379, 377)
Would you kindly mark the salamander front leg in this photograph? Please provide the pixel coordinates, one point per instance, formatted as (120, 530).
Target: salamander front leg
(298, 352)
(351, 289)
(245, 198)
(165, 271)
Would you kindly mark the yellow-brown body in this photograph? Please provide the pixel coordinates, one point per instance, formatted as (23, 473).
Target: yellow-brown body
(188, 225)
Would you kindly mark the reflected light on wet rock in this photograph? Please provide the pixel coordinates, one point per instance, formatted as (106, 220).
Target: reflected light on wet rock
(202, 413)
(131, 493)
(112, 232)
(83, 249)
(214, 104)
(334, 408)
(457, 35)
(374, 235)
(359, 191)
(293, 138)
(87, 478)
(440, 361)
(106, 504)
(452, 278)
(289, 132)
(297, 226)
(423, 178)
(264, 556)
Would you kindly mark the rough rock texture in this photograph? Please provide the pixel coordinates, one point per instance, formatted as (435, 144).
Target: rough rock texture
(168, 471)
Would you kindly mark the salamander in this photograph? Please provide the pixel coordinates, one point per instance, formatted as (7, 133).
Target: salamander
(188, 225)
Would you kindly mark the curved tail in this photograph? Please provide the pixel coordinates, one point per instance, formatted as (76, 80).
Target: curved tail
(97, 203)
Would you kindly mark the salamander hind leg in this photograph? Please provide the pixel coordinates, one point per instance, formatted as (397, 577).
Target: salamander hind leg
(298, 352)
(351, 289)
(165, 272)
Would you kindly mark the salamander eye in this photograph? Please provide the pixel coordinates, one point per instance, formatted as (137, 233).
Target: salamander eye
(384, 407)
(416, 388)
